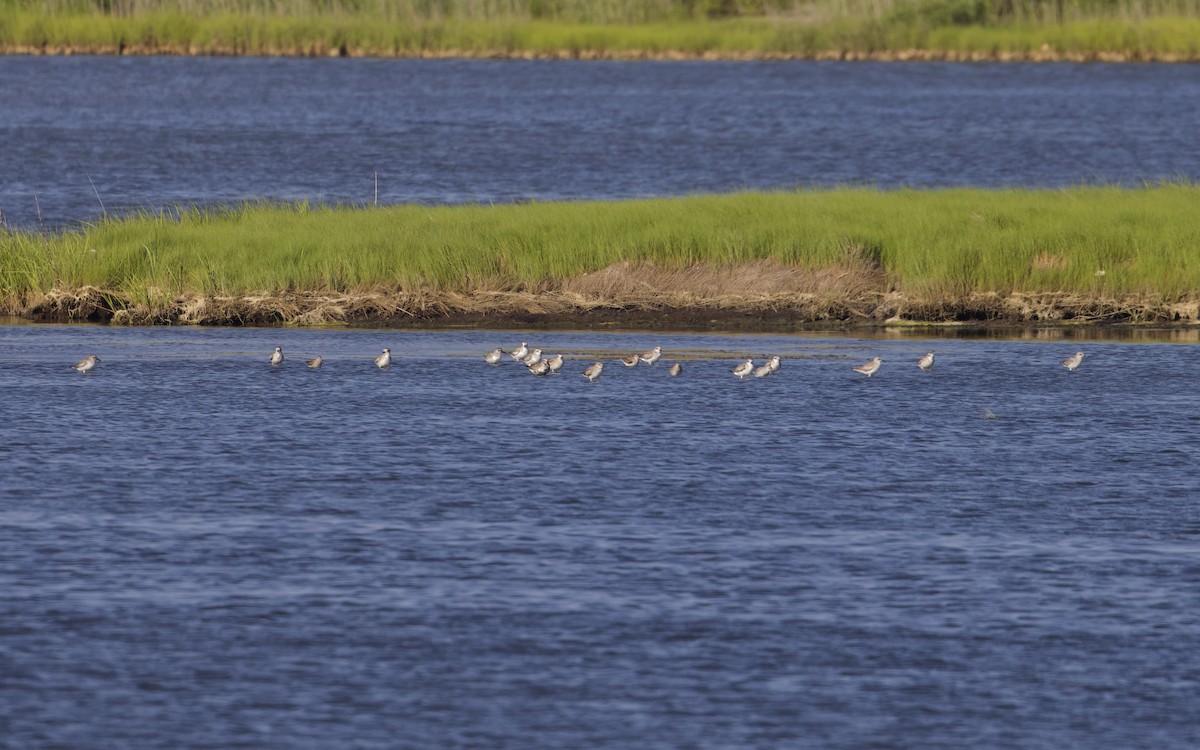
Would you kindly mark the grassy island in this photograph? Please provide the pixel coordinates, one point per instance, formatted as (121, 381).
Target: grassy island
(755, 260)
(1117, 30)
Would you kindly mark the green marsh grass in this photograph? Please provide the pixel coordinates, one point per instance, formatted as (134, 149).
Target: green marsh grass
(1096, 242)
(992, 29)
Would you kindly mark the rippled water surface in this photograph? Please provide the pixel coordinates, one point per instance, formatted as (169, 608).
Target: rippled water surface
(143, 133)
(198, 550)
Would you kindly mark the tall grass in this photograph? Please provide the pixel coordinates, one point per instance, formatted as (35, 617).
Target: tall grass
(1139, 29)
(1098, 241)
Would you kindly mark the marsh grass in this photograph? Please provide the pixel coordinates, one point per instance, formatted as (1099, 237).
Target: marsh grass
(957, 29)
(920, 247)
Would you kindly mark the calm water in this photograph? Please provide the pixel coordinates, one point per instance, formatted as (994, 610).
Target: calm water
(198, 551)
(165, 131)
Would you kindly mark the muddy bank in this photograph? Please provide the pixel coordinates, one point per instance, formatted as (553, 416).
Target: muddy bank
(1042, 54)
(565, 309)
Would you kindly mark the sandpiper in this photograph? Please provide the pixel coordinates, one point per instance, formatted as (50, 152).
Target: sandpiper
(86, 364)
(870, 368)
(315, 362)
(541, 367)
(277, 356)
(532, 358)
(555, 363)
(926, 362)
(675, 370)
(630, 361)
(493, 357)
(1071, 363)
(384, 359)
(519, 353)
(773, 363)
(763, 370)
(593, 372)
(744, 369)
(651, 356)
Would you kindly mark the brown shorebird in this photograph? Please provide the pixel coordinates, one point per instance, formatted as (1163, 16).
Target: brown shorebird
(762, 371)
(593, 372)
(315, 362)
(86, 364)
(277, 356)
(675, 370)
(630, 361)
(1071, 363)
(773, 363)
(743, 369)
(519, 353)
(555, 363)
(651, 356)
(493, 357)
(532, 358)
(870, 368)
(541, 367)
(926, 362)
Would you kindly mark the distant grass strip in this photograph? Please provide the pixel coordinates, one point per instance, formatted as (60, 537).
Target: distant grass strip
(1101, 242)
(899, 36)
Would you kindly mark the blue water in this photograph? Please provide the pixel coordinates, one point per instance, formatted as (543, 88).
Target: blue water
(79, 133)
(200, 551)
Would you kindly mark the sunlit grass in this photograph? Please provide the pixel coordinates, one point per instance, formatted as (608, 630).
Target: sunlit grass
(1099, 241)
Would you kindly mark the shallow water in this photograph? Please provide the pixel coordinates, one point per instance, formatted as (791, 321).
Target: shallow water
(147, 133)
(200, 551)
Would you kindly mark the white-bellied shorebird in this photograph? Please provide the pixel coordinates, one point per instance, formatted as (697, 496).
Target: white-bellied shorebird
(651, 356)
(277, 356)
(762, 371)
(675, 369)
(744, 369)
(630, 361)
(86, 364)
(593, 372)
(773, 363)
(315, 362)
(532, 358)
(1071, 363)
(926, 362)
(493, 357)
(541, 367)
(870, 368)
(384, 359)
(519, 353)
(555, 363)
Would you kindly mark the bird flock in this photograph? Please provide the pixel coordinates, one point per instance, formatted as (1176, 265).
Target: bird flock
(538, 364)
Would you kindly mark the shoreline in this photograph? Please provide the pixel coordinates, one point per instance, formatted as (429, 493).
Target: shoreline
(556, 310)
(1042, 55)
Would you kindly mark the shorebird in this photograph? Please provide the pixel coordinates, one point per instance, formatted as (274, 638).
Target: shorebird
(630, 361)
(315, 362)
(774, 363)
(593, 372)
(870, 368)
(675, 370)
(519, 353)
(651, 356)
(532, 358)
(86, 364)
(1071, 363)
(541, 367)
(384, 359)
(926, 362)
(493, 357)
(763, 370)
(277, 356)
(744, 369)
(555, 363)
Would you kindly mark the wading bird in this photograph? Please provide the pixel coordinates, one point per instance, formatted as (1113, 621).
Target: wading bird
(519, 353)
(555, 363)
(630, 361)
(493, 357)
(86, 364)
(870, 368)
(651, 356)
(926, 362)
(277, 356)
(1071, 363)
(675, 370)
(743, 369)
(593, 372)
(384, 359)
(315, 362)
(774, 363)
